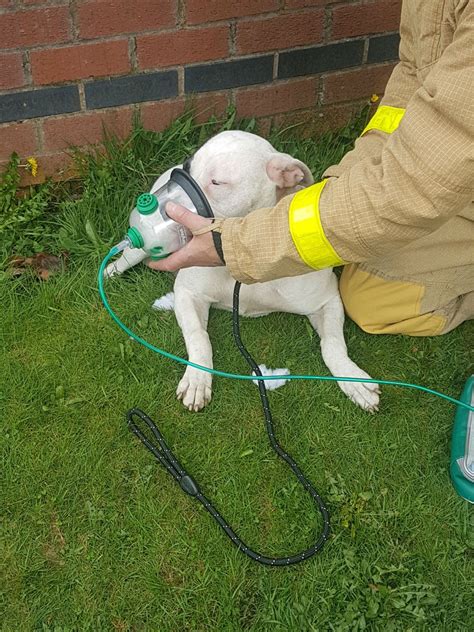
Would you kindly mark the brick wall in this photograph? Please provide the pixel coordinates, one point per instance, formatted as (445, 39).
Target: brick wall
(69, 68)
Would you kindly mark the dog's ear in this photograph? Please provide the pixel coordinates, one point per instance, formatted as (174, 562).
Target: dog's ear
(287, 172)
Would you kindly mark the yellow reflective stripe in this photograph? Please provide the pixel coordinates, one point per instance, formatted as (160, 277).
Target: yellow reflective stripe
(386, 119)
(307, 231)
(305, 223)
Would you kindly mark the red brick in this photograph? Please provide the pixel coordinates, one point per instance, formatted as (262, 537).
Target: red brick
(113, 17)
(296, 95)
(356, 84)
(183, 47)
(158, 116)
(362, 19)
(199, 11)
(32, 28)
(285, 31)
(11, 75)
(18, 137)
(303, 123)
(44, 2)
(59, 166)
(301, 4)
(207, 105)
(54, 65)
(311, 123)
(264, 126)
(333, 117)
(85, 129)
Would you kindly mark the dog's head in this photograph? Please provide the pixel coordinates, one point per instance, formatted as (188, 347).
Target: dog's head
(240, 172)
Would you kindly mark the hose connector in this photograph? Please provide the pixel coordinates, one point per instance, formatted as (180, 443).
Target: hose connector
(125, 243)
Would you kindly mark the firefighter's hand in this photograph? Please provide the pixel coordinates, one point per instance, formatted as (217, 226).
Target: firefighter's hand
(199, 251)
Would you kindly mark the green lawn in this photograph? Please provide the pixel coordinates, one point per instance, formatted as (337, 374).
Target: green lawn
(96, 536)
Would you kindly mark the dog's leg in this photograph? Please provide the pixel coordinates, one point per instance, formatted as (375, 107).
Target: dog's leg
(192, 315)
(129, 258)
(328, 322)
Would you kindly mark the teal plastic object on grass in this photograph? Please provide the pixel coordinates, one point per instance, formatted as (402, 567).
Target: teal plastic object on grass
(462, 446)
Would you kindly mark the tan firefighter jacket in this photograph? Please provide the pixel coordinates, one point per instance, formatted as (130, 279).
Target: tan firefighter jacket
(410, 171)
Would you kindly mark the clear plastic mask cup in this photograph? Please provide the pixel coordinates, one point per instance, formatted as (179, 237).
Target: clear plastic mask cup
(150, 227)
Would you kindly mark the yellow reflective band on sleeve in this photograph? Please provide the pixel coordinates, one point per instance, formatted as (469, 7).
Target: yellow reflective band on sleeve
(386, 119)
(307, 231)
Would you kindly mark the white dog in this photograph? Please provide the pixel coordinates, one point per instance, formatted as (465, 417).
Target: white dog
(240, 172)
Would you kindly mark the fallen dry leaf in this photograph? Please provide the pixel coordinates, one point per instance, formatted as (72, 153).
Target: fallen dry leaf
(43, 264)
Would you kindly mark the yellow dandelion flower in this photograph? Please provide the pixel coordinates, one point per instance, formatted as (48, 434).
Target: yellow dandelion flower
(32, 165)
(374, 98)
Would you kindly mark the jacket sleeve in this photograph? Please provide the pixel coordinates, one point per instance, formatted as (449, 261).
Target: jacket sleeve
(259, 247)
(423, 176)
(425, 173)
(400, 88)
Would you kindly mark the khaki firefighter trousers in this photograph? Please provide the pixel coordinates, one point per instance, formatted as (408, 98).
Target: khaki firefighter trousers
(425, 289)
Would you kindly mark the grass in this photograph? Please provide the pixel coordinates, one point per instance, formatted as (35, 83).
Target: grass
(97, 537)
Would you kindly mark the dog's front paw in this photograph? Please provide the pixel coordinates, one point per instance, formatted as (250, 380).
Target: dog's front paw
(194, 389)
(364, 394)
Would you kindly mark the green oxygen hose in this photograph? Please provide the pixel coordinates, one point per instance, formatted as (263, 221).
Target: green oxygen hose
(236, 376)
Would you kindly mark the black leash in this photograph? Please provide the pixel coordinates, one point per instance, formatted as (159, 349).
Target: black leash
(168, 460)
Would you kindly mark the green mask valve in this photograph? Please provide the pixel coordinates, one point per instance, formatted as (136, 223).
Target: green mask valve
(135, 237)
(157, 253)
(147, 204)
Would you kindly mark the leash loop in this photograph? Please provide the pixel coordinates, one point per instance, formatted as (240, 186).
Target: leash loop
(168, 460)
